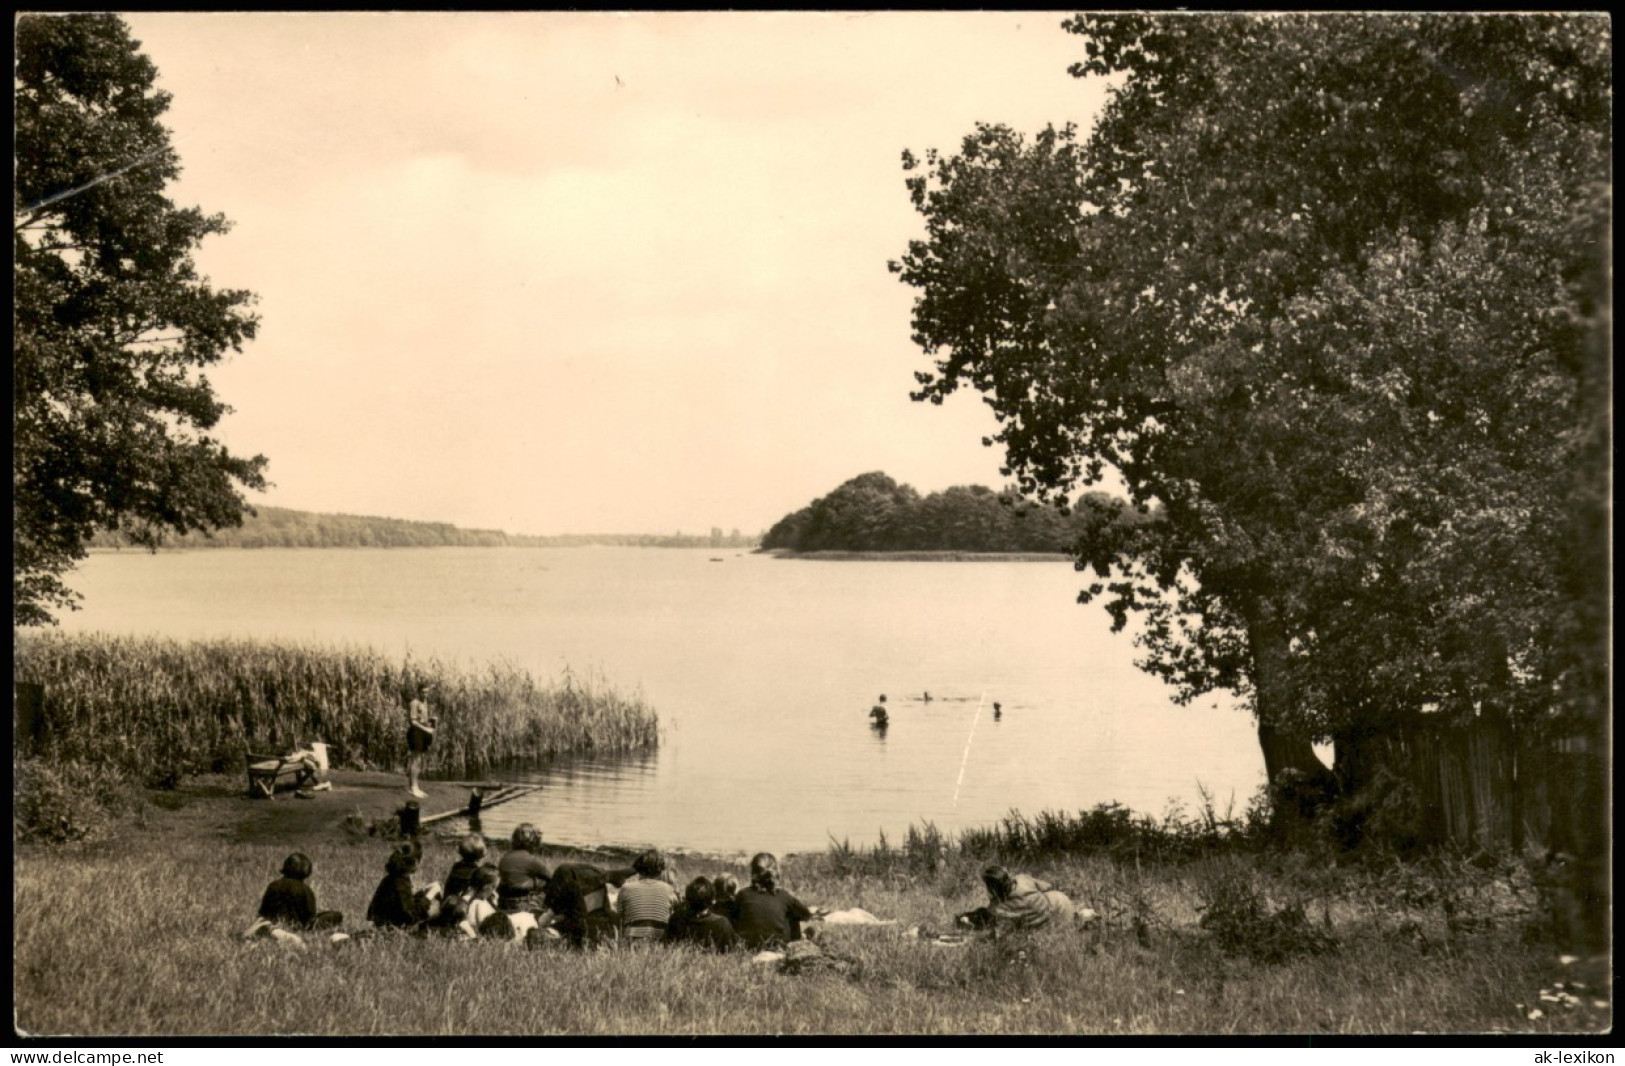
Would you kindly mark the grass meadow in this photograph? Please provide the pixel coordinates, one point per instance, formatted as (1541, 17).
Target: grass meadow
(137, 935)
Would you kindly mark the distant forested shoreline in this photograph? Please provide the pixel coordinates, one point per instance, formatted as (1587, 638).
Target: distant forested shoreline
(280, 527)
(923, 556)
(874, 513)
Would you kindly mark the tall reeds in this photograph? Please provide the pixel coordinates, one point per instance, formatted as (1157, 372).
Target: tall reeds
(1108, 830)
(159, 709)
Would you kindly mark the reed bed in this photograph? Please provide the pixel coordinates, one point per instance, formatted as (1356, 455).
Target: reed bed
(158, 710)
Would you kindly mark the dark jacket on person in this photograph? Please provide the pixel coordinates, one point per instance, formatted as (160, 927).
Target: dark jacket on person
(522, 879)
(708, 930)
(579, 900)
(461, 877)
(769, 917)
(396, 905)
(289, 901)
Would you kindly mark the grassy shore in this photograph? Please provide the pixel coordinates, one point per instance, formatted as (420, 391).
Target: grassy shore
(137, 936)
(158, 710)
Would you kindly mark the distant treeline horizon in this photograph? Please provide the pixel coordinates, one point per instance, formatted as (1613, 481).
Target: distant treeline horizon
(874, 513)
(281, 527)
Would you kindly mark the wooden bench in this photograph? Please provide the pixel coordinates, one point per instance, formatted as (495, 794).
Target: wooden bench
(266, 772)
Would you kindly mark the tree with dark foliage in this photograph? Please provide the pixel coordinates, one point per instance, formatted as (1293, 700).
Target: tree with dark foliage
(112, 322)
(1330, 294)
(872, 512)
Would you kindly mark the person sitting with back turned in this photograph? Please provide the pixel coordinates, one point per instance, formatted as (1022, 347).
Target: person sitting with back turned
(289, 903)
(646, 901)
(524, 875)
(482, 897)
(578, 896)
(396, 903)
(725, 896)
(697, 923)
(461, 913)
(769, 916)
(470, 853)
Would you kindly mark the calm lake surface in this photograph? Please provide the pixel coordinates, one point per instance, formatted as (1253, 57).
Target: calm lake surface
(762, 671)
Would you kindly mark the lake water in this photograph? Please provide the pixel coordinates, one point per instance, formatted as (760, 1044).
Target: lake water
(762, 671)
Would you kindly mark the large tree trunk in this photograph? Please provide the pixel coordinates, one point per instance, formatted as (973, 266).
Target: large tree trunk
(1299, 782)
(1284, 747)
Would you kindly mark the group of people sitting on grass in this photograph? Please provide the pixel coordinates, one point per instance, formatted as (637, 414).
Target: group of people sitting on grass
(580, 904)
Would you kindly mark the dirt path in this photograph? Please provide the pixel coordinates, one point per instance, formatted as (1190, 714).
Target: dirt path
(220, 804)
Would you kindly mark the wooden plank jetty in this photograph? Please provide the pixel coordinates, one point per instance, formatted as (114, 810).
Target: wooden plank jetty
(489, 794)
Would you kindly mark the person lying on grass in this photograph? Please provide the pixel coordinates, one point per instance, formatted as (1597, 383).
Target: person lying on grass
(768, 915)
(289, 903)
(501, 925)
(1020, 901)
(397, 903)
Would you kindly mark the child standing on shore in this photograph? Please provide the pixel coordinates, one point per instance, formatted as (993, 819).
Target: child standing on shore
(420, 727)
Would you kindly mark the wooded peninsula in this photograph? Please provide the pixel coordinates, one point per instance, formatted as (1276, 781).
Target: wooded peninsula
(874, 513)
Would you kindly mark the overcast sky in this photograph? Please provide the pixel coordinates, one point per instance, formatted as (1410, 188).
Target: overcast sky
(571, 273)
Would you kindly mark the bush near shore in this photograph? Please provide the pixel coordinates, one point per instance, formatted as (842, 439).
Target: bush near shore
(1194, 942)
(159, 710)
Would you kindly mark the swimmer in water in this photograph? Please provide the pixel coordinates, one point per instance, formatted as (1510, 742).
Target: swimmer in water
(877, 713)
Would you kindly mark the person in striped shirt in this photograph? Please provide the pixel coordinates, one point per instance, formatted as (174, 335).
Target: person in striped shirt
(646, 900)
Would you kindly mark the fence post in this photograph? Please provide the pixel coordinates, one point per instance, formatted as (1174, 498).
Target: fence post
(1490, 778)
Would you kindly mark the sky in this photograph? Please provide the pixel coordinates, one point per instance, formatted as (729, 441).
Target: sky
(587, 273)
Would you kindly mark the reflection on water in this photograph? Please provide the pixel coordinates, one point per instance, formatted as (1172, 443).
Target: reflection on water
(763, 672)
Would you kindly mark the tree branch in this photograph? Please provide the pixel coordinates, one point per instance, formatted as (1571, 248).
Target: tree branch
(36, 210)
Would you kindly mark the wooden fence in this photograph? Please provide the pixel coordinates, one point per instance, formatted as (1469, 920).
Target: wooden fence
(1485, 782)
